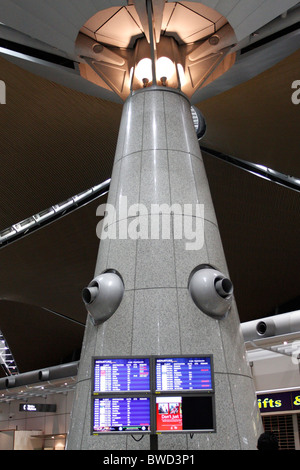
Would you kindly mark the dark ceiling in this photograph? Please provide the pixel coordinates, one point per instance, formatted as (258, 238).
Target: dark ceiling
(56, 142)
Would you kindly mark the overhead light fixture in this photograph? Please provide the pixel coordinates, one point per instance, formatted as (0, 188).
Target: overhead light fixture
(126, 61)
(63, 205)
(181, 74)
(24, 224)
(43, 215)
(82, 195)
(159, 66)
(143, 71)
(164, 69)
(7, 233)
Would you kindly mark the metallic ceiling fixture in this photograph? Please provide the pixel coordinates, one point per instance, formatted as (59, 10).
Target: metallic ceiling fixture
(177, 44)
(47, 216)
(7, 361)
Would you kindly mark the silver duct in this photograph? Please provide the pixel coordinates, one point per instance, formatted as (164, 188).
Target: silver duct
(275, 325)
(42, 375)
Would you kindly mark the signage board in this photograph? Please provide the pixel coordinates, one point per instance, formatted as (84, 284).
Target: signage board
(37, 408)
(279, 401)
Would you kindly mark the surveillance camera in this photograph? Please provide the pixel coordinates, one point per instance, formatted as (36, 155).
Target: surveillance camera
(265, 328)
(211, 291)
(103, 295)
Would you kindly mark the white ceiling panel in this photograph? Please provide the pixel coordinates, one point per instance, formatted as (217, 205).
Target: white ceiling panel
(98, 20)
(44, 12)
(209, 3)
(119, 30)
(57, 22)
(247, 16)
(267, 11)
(78, 12)
(226, 7)
(187, 24)
(203, 10)
(242, 10)
(50, 21)
(19, 18)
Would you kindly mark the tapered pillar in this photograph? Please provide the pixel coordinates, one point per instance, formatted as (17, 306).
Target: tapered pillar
(158, 161)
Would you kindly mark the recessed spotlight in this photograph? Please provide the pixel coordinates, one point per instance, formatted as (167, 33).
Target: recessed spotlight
(214, 40)
(97, 48)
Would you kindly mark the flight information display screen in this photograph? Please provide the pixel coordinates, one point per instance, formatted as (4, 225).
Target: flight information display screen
(121, 375)
(183, 373)
(121, 415)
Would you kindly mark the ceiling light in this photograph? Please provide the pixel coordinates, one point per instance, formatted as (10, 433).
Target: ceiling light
(82, 195)
(24, 224)
(164, 69)
(7, 233)
(63, 205)
(143, 71)
(43, 214)
(181, 74)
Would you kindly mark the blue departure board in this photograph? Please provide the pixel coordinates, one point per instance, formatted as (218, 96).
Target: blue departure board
(183, 373)
(121, 415)
(121, 375)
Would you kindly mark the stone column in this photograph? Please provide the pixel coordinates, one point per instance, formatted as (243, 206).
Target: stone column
(158, 161)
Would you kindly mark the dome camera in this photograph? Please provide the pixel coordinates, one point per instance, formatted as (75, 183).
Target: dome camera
(103, 295)
(211, 291)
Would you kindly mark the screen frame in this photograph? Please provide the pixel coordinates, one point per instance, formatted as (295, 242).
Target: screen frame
(187, 431)
(153, 394)
(185, 356)
(119, 392)
(123, 396)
